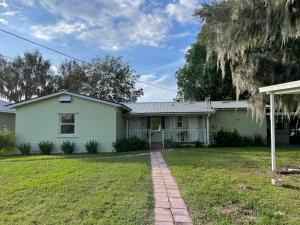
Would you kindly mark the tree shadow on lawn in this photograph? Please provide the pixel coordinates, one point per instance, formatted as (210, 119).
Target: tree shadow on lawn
(292, 187)
(76, 156)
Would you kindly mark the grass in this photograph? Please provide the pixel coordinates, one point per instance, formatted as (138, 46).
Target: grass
(233, 185)
(76, 189)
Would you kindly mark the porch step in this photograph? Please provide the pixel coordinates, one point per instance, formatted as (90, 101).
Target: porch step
(156, 146)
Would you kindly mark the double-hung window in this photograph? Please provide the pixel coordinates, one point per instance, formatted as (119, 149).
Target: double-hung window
(67, 123)
(179, 122)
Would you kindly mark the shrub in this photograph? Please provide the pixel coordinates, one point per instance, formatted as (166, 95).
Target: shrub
(199, 144)
(258, 140)
(227, 138)
(68, 147)
(171, 144)
(7, 142)
(233, 139)
(131, 144)
(46, 147)
(25, 148)
(92, 147)
(247, 141)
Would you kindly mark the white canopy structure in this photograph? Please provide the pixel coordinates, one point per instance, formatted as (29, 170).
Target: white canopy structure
(290, 88)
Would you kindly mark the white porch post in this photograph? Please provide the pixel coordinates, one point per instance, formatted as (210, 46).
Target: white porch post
(207, 130)
(163, 138)
(203, 130)
(272, 121)
(150, 138)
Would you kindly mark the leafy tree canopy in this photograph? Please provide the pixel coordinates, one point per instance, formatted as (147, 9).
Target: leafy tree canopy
(200, 78)
(31, 75)
(260, 39)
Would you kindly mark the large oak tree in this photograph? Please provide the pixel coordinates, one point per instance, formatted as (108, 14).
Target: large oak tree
(260, 39)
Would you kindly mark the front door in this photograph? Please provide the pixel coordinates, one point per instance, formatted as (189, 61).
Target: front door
(156, 134)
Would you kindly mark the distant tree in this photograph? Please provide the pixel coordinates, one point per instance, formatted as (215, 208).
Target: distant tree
(31, 75)
(200, 78)
(9, 82)
(73, 75)
(109, 78)
(25, 77)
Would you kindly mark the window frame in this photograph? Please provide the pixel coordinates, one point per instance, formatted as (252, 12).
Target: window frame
(179, 119)
(60, 125)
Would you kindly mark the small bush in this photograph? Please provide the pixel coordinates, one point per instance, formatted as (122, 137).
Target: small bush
(227, 138)
(7, 142)
(92, 147)
(247, 141)
(46, 147)
(199, 144)
(131, 144)
(258, 140)
(68, 147)
(25, 148)
(233, 139)
(171, 144)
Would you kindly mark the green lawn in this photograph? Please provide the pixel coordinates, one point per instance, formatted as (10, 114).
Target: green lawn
(233, 186)
(77, 189)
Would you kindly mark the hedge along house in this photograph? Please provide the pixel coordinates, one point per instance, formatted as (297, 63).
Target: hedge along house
(78, 118)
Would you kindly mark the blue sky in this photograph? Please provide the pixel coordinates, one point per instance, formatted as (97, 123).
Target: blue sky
(152, 36)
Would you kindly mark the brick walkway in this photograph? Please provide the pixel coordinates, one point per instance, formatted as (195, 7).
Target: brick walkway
(169, 209)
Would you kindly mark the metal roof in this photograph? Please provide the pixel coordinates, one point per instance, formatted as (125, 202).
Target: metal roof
(168, 107)
(182, 107)
(64, 92)
(3, 107)
(230, 104)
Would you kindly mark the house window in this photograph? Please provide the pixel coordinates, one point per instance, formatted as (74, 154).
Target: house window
(279, 123)
(179, 122)
(67, 123)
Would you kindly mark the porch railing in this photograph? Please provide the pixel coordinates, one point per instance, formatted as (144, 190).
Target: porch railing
(139, 133)
(176, 135)
(185, 135)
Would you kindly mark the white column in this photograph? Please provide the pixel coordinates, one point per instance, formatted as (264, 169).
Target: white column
(203, 129)
(163, 138)
(150, 137)
(207, 130)
(272, 121)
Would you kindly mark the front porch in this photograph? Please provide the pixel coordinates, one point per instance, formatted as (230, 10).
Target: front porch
(157, 130)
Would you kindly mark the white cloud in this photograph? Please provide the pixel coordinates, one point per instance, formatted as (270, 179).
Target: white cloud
(27, 2)
(182, 10)
(10, 13)
(147, 77)
(185, 50)
(3, 4)
(3, 21)
(154, 94)
(49, 32)
(178, 35)
(112, 24)
(163, 80)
